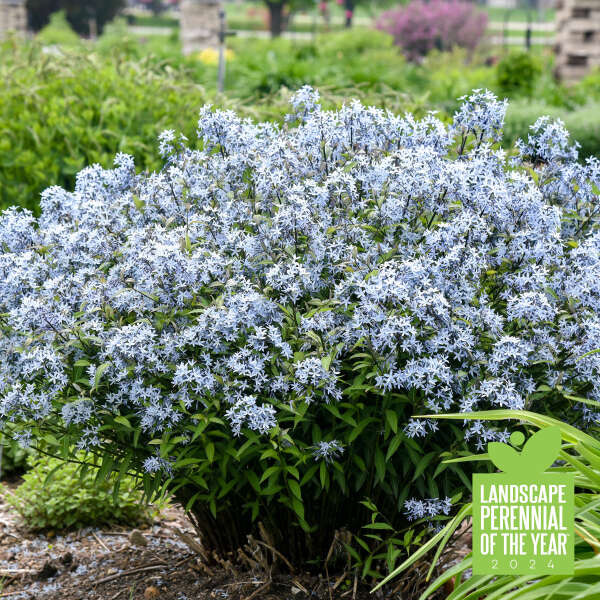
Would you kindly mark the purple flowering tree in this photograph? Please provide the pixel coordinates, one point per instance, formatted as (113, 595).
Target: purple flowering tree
(420, 26)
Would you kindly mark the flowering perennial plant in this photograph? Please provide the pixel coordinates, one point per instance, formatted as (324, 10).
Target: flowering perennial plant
(252, 327)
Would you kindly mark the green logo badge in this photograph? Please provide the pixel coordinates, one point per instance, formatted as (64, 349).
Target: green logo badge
(523, 518)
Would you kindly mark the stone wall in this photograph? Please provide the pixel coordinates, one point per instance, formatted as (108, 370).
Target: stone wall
(13, 16)
(577, 38)
(199, 25)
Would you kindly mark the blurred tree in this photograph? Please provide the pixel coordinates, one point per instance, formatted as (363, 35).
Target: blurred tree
(278, 14)
(79, 12)
(349, 8)
(156, 6)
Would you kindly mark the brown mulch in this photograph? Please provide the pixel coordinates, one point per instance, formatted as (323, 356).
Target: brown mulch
(150, 564)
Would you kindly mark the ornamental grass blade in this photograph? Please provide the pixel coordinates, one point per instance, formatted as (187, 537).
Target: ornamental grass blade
(455, 571)
(592, 475)
(568, 432)
(477, 586)
(424, 549)
(441, 537)
(458, 519)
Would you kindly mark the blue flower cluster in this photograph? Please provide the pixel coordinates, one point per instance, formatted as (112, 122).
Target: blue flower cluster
(420, 509)
(258, 270)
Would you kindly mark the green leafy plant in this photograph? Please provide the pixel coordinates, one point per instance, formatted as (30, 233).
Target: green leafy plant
(258, 405)
(517, 73)
(580, 454)
(582, 122)
(59, 32)
(58, 495)
(59, 113)
(14, 457)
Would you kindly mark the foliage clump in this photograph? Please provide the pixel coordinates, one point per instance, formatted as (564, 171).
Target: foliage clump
(58, 32)
(58, 495)
(61, 112)
(517, 74)
(14, 458)
(253, 326)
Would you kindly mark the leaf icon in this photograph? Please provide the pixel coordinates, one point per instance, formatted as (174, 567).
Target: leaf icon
(541, 449)
(504, 457)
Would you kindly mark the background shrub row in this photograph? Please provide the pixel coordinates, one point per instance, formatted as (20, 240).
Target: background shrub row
(66, 105)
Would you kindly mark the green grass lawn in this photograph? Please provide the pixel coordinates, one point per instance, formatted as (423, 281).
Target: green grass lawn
(515, 33)
(519, 15)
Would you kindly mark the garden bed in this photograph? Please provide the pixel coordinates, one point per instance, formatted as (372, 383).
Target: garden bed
(113, 563)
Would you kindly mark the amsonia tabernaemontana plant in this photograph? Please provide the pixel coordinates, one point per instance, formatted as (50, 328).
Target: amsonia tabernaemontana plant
(252, 327)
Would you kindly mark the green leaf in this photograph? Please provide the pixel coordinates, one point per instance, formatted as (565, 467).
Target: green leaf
(295, 488)
(359, 428)
(391, 418)
(298, 507)
(210, 451)
(323, 476)
(105, 468)
(99, 371)
(123, 421)
(383, 526)
(380, 464)
(393, 447)
(269, 472)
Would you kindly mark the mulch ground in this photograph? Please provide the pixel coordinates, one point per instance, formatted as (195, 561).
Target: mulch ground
(155, 563)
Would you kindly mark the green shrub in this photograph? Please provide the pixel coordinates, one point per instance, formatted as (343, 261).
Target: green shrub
(446, 76)
(517, 74)
(14, 458)
(117, 39)
(254, 327)
(334, 61)
(589, 86)
(59, 495)
(583, 123)
(61, 112)
(58, 32)
(356, 41)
